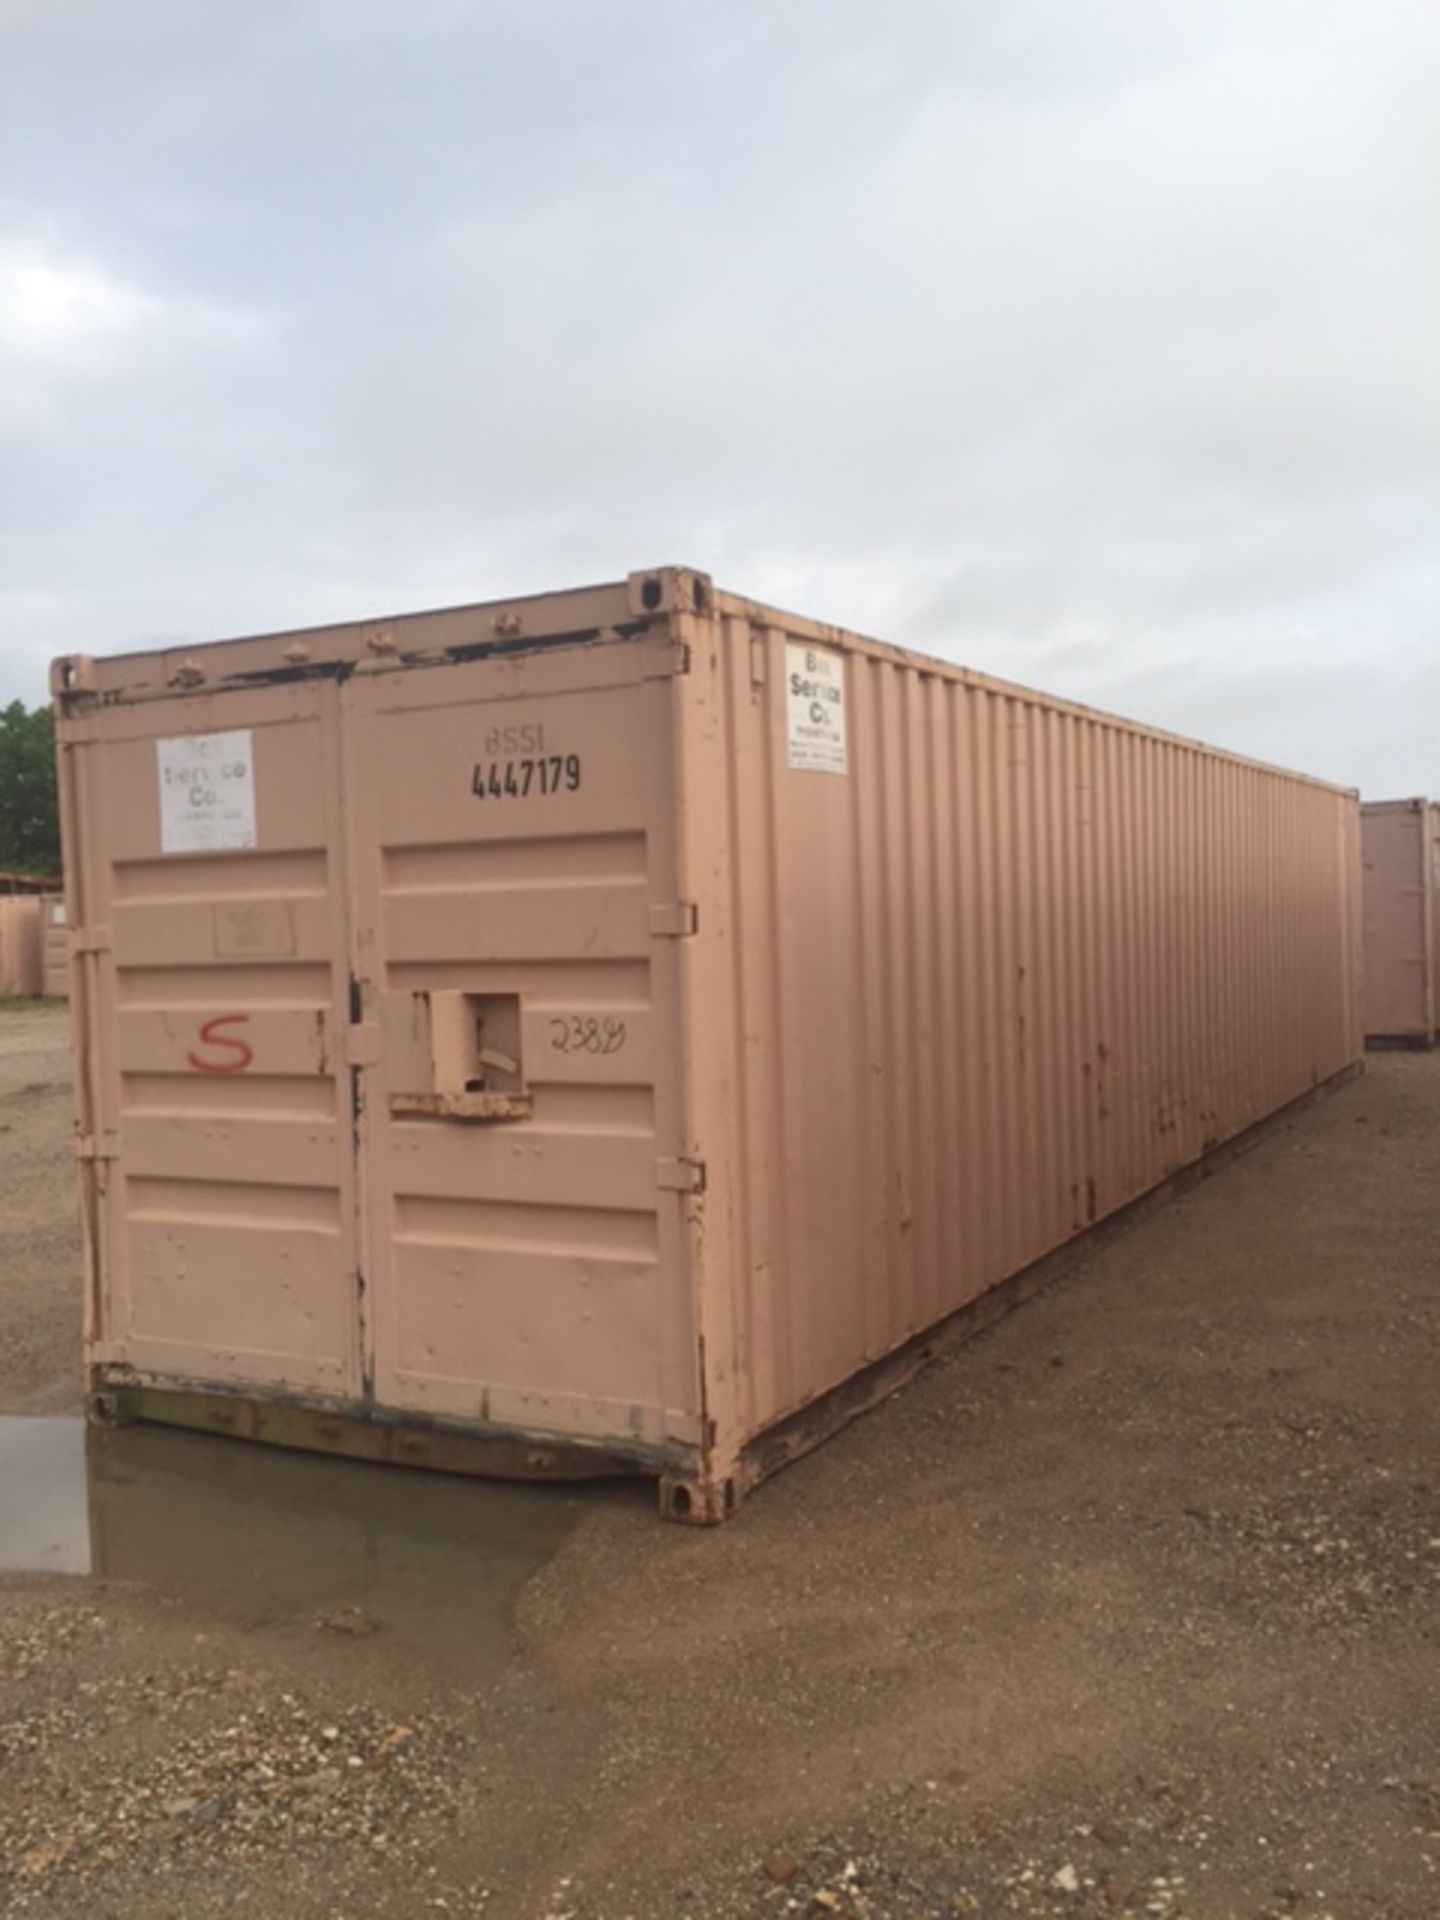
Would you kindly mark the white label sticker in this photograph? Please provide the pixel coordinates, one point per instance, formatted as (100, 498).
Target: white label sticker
(815, 709)
(207, 792)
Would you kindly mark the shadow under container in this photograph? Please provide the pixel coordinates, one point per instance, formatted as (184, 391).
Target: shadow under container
(1400, 844)
(626, 1029)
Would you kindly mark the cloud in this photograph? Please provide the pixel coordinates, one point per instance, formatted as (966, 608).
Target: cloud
(50, 313)
(1095, 346)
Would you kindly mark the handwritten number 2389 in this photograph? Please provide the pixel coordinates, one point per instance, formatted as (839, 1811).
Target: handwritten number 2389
(584, 1033)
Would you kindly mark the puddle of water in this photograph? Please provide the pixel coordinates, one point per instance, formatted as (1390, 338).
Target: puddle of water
(268, 1540)
(43, 1525)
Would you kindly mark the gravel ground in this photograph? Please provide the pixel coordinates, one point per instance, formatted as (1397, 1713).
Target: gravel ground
(1131, 1607)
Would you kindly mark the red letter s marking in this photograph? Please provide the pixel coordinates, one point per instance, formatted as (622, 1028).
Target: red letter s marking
(211, 1036)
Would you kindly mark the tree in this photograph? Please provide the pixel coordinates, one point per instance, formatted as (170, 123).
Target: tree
(29, 816)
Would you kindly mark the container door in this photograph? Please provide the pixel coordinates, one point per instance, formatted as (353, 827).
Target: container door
(516, 940)
(213, 982)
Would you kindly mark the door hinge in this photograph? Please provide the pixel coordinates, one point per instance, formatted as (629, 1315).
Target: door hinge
(674, 919)
(89, 1148)
(89, 940)
(362, 1046)
(680, 1176)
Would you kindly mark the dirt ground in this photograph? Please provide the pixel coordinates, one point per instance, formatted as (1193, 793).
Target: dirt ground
(1130, 1607)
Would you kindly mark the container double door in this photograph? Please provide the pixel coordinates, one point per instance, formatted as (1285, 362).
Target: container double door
(381, 1102)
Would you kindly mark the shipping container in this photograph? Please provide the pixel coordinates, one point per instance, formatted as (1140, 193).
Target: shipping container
(54, 946)
(1400, 842)
(20, 955)
(630, 1028)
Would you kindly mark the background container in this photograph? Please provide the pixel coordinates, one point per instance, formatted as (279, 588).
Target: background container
(1401, 848)
(621, 1026)
(20, 957)
(54, 946)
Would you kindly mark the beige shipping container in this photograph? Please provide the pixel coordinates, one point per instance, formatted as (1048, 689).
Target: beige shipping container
(1400, 841)
(54, 946)
(629, 1027)
(20, 951)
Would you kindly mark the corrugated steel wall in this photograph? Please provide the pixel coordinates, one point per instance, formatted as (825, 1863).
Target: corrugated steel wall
(1013, 968)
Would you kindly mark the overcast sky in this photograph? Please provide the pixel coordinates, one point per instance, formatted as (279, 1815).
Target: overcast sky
(1092, 342)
